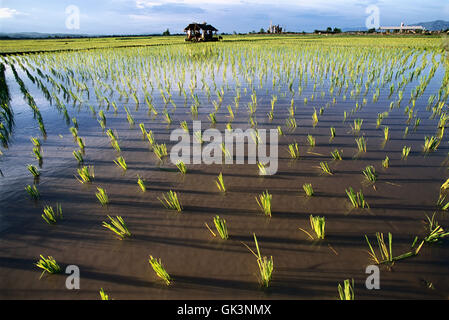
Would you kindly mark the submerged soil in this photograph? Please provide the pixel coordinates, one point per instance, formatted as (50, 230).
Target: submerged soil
(204, 267)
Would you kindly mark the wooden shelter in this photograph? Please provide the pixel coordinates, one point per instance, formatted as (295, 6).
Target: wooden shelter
(201, 32)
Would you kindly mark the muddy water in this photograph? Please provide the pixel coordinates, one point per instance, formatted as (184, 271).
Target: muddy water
(204, 267)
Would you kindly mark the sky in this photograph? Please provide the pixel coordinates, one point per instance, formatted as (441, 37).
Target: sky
(155, 16)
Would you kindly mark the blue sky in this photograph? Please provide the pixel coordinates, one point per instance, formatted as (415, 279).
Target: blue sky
(154, 16)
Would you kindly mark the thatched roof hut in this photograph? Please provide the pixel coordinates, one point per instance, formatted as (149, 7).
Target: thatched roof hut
(200, 26)
(200, 32)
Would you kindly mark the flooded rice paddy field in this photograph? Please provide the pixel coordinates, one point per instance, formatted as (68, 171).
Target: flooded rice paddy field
(60, 97)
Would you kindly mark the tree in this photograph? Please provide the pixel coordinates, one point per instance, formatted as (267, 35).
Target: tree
(337, 30)
(166, 32)
(262, 30)
(329, 29)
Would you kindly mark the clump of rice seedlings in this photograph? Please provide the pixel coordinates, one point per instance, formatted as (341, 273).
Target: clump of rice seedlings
(346, 292)
(167, 117)
(262, 169)
(220, 225)
(33, 192)
(405, 132)
(325, 168)
(357, 125)
(141, 184)
(102, 196)
(143, 130)
(194, 111)
(332, 134)
(386, 162)
(318, 227)
(150, 138)
(314, 118)
(212, 118)
(117, 226)
(361, 144)
(430, 144)
(129, 117)
(160, 270)
(86, 174)
(405, 152)
(436, 232)
(78, 156)
(74, 132)
(81, 143)
(103, 295)
(36, 142)
(264, 202)
(265, 265)
(440, 202)
(120, 161)
(293, 150)
(291, 124)
(370, 174)
(336, 155)
(308, 189)
(50, 215)
(220, 183)
(171, 201)
(38, 154)
(184, 126)
(181, 167)
(160, 150)
(386, 251)
(357, 199)
(386, 133)
(445, 185)
(48, 265)
(33, 170)
(280, 132)
(311, 140)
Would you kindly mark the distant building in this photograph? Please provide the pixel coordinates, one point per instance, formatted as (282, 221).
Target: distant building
(274, 28)
(403, 28)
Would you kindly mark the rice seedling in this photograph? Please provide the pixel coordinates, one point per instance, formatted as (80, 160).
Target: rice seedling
(430, 144)
(181, 167)
(357, 199)
(86, 174)
(129, 117)
(314, 118)
(291, 124)
(212, 118)
(102, 196)
(220, 225)
(332, 134)
(266, 265)
(293, 150)
(336, 155)
(48, 265)
(36, 142)
(143, 130)
(346, 292)
(78, 156)
(184, 126)
(370, 174)
(81, 144)
(160, 270)
(120, 161)
(117, 226)
(167, 117)
(51, 216)
(220, 183)
(445, 185)
(280, 132)
(171, 201)
(198, 136)
(311, 140)
(150, 138)
(33, 192)
(405, 152)
(436, 232)
(141, 184)
(325, 168)
(386, 162)
(357, 125)
(441, 202)
(160, 150)
(38, 154)
(264, 202)
(386, 133)
(103, 295)
(308, 189)
(74, 132)
(33, 170)
(361, 144)
(318, 227)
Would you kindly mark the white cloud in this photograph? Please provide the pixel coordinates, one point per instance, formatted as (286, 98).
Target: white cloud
(6, 13)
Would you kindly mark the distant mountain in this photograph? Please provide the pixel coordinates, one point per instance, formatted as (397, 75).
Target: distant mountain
(433, 25)
(37, 35)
